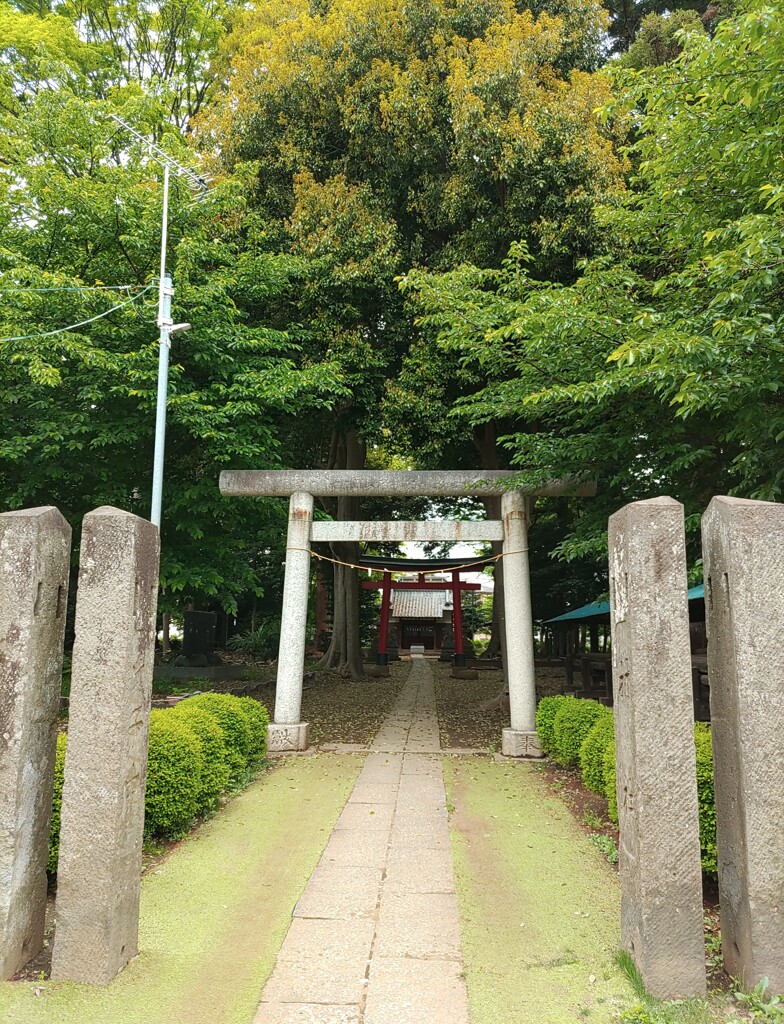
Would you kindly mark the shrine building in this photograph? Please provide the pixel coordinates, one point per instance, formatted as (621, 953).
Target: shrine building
(426, 609)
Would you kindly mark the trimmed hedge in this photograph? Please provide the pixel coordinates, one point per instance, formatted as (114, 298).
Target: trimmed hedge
(592, 751)
(610, 779)
(236, 726)
(573, 721)
(566, 724)
(215, 773)
(197, 750)
(175, 763)
(258, 718)
(57, 802)
(546, 711)
(705, 797)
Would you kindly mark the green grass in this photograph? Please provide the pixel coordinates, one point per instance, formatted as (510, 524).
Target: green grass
(539, 905)
(214, 914)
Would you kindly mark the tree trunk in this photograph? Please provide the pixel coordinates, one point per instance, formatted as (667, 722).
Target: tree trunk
(344, 652)
(166, 638)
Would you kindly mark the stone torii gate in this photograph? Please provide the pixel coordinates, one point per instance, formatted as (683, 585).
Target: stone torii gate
(287, 731)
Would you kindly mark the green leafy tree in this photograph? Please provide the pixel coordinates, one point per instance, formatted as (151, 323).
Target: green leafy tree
(81, 215)
(658, 370)
(384, 137)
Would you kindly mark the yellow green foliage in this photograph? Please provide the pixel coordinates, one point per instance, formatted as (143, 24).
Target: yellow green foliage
(546, 711)
(196, 751)
(610, 776)
(573, 721)
(457, 127)
(57, 801)
(258, 720)
(592, 752)
(175, 763)
(705, 797)
(236, 727)
(215, 774)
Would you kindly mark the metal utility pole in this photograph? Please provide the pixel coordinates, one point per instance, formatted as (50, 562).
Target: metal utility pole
(165, 325)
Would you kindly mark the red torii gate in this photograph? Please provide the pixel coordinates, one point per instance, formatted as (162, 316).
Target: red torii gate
(423, 567)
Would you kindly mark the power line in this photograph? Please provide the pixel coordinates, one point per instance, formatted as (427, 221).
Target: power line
(83, 323)
(76, 288)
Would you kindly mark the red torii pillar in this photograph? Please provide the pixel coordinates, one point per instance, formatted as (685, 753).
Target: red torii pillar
(385, 586)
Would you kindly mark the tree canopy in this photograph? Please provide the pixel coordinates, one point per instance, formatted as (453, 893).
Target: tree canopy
(441, 234)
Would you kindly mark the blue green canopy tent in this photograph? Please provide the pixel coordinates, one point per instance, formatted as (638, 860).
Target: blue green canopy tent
(599, 611)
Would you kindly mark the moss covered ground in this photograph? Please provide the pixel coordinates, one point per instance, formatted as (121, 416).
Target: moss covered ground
(539, 907)
(214, 913)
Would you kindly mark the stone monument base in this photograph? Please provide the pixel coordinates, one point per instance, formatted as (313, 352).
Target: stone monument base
(520, 744)
(281, 738)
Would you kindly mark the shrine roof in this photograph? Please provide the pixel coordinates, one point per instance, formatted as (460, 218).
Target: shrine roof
(421, 604)
(420, 564)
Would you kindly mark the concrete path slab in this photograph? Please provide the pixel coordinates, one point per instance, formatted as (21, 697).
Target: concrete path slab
(375, 937)
(410, 991)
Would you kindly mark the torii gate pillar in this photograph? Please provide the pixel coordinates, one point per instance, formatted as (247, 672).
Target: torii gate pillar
(287, 732)
(521, 739)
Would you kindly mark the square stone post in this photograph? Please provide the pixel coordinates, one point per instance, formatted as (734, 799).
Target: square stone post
(743, 547)
(99, 871)
(287, 732)
(521, 739)
(35, 555)
(661, 877)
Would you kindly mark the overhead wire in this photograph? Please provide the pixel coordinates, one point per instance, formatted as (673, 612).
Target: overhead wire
(75, 288)
(82, 323)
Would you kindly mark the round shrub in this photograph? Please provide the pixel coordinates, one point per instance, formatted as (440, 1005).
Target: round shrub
(592, 752)
(174, 775)
(609, 782)
(57, 803)
(258, 719)
(573, 722)
(215, 772)
(228, 713)
(705, 797)
(546, 711)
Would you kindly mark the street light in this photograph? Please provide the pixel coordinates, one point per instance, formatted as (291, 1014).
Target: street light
(165, 292)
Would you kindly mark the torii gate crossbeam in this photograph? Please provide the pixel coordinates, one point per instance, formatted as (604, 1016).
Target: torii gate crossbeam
(288, 732)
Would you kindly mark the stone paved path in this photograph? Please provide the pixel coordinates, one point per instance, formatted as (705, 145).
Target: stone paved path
(375, 937)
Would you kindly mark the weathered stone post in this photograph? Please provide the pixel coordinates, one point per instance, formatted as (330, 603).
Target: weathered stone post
(100, 863)
(287, 732)
(521, 739)
(743, 547)
(661, 879)
(35, 550)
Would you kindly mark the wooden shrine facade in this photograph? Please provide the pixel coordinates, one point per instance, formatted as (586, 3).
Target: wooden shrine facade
(422, 568)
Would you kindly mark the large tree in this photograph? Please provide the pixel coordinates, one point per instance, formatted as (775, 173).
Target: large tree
(384, 136)
(659, 369)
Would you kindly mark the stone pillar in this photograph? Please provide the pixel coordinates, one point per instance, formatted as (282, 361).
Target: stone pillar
(743, 547)
(106, 759)
(35, 549)
(521, 740)
(661, 877)
(287, 732)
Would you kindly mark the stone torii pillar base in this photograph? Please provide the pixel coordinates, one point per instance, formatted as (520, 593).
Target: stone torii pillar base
(520, 744)
(282, 739)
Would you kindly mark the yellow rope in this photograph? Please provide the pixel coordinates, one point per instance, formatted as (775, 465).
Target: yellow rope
(409, 572)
